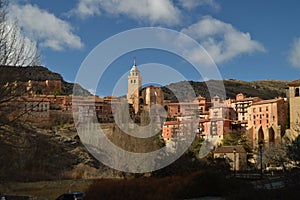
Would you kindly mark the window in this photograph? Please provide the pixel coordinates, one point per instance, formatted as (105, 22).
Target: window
(297, 92)
(259, 109)
(254, 109)
(133, 81)
(215, 113)
(267, 108)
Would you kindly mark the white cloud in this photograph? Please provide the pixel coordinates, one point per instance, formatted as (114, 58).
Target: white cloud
(152, 11)
(45, 27)
(192, 4)
(221, 40)
(87, 8)
(294, 54)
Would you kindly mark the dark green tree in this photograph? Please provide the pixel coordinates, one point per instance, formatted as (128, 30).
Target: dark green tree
(194, 149)
(236, 138)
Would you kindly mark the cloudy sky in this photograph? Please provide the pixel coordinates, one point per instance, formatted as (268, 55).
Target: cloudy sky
(247, 40)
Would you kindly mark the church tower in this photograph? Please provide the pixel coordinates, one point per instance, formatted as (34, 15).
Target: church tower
(294, 100)
(134, 85)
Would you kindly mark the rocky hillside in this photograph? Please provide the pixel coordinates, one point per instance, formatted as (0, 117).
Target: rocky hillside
(28, 153)
(266, 89)
(35, 73)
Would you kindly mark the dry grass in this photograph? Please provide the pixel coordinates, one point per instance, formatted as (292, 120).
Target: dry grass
(45, 189)
(173, 187)
(142, 188)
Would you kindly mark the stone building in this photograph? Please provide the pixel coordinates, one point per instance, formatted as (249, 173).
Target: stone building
(27, 109)
(241, 104)
(294, 103)
(151, 95)
(180, 129)
(142, 99)
(267, 121)
(170, 130)
(182, 109)
(221, 116)
(235, 156)
(48, 87)
(199, 106)
(92, 109)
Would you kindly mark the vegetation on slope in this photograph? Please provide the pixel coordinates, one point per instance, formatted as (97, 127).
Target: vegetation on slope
(35, 73)
(32, 154)
(266, 89)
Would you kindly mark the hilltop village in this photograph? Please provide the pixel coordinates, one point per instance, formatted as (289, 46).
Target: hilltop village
(261, 120)
(266, 120)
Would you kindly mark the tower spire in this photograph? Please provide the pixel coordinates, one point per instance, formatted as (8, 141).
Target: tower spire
(134, 61)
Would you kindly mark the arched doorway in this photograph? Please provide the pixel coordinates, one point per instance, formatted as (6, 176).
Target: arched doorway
(141, 101)
(271, 135)
(261, 136)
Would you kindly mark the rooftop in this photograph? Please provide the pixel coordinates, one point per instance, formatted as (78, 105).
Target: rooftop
(268, 101)
(229, 149)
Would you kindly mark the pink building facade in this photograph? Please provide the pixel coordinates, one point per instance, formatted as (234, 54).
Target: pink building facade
(170, 130)
(240, 105)
(267, 121)
(221, 115)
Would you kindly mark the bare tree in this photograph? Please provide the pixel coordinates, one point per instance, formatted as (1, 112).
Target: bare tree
(276, 155)
(15, 48)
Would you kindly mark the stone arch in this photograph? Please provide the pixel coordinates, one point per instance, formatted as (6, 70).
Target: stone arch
(271, 135)
(261, 135)
(141, 101)
(166, 108)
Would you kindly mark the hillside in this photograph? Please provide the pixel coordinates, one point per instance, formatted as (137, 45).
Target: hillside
(265, 89)
(35, 73)
(29, 153)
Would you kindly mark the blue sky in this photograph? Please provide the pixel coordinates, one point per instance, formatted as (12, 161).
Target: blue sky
(248, 40)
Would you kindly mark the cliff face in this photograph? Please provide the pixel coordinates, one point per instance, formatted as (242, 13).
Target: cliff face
(36, 73)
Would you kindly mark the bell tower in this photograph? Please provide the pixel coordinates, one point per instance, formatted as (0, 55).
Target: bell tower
(134, 85)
